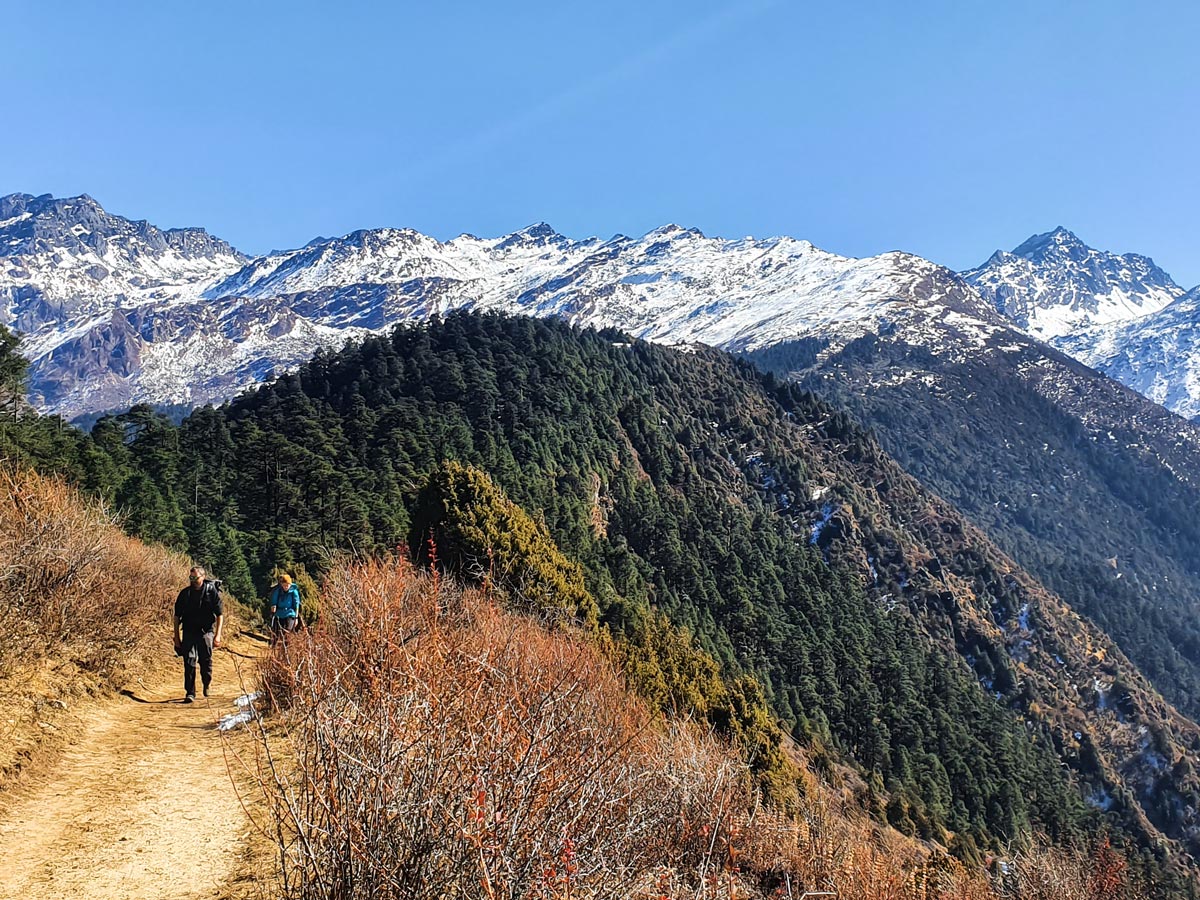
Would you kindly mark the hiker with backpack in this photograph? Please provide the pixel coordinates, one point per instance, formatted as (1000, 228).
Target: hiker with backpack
(199, 616)
(285, 607)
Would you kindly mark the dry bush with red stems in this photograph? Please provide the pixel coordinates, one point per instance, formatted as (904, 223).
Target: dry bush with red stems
(429, 744)
(444, 747)
(1056, 873)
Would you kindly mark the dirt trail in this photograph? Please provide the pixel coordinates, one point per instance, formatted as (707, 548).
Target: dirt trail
(142, 805)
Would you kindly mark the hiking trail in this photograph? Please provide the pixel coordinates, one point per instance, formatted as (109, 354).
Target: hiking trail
(142, 805)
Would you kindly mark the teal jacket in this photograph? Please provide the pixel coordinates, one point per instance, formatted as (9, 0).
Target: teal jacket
(286, 603)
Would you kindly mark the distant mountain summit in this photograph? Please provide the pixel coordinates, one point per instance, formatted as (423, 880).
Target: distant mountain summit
(1054, 284)
(80, 282)
(65, 258)
(29, 225)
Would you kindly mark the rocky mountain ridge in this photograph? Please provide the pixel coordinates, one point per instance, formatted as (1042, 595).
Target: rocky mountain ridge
(1053, 284)
(165, 326)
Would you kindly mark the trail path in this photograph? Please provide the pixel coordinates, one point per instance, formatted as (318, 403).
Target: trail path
(141, 806)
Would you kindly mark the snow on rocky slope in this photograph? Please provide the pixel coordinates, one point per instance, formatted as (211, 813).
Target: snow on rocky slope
(1157, 355)
(1054, 284)
(61, 260)
(174, 320)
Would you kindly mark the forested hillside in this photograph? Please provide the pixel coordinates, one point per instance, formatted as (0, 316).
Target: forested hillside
(883, 630)
(1107, 520)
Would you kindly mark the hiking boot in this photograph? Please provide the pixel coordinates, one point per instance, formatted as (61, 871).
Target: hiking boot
(190, 698)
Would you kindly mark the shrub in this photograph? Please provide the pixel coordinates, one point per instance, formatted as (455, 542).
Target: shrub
(447, 748)
(72, 585)
(430, 744)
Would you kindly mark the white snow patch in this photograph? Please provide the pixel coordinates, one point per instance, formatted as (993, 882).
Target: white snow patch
(233, 720)
(819, 526)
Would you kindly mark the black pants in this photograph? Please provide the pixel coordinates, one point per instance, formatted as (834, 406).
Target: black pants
(197, 650)
(280, 628)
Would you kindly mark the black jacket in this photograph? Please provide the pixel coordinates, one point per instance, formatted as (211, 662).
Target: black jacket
(198, 609)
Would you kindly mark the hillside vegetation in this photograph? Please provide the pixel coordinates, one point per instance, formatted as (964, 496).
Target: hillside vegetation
(439, 745)
(83, 607)
(699, 506)
(1105, 517)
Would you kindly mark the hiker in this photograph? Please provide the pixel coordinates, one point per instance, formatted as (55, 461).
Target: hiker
(198, 620)
(285, 607)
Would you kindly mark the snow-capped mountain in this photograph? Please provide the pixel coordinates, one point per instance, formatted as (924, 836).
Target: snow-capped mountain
(1157, 355)
(166, 326)
(673, 284)
(63, 259)
(85, 287)
(1121, 315)
(1054, 284)
(115, 312)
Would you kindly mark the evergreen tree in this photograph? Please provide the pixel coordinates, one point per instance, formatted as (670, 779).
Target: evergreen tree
(14, 370)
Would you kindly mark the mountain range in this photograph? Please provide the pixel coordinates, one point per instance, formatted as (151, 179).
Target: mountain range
(115, 311)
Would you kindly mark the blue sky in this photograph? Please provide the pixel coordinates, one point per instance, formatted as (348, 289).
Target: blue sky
(943, 128)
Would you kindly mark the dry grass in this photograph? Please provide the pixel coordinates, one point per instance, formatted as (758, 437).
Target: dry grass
(81, 603)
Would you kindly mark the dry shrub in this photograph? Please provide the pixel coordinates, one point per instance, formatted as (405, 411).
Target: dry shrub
(447, 748)
(430, 744)
(1054, 873)
(72, 584)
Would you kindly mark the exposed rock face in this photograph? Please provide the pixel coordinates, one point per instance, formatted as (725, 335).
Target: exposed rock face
(33, 225)
(106, 354)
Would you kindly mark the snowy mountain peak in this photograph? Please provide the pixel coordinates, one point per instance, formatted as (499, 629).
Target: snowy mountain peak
(537, 235)
(30, 225)
(1060, 240)
(675, 232)
(1054, 283)
(537, 232)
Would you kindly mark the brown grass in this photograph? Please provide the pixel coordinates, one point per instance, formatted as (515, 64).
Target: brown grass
(81, 604)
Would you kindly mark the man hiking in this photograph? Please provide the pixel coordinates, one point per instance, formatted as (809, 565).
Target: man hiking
(198, 620)
(285, 607)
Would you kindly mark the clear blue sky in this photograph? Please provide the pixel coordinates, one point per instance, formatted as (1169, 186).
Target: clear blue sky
(944, 128)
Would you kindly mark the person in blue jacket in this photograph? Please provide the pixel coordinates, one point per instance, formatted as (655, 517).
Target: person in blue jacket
(285, 607)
